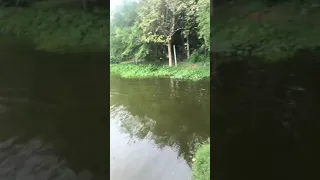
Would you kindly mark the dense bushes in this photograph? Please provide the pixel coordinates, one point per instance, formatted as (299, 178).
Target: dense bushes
(57, 30)
(269, 32)
(197, 57)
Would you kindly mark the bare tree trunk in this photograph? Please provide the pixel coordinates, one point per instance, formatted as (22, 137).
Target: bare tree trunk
(170, 52)
(188, 48)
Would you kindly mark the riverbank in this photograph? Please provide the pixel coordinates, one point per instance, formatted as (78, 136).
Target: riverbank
(57, 30)
(201, 166)
(190, 72)
(254, 29)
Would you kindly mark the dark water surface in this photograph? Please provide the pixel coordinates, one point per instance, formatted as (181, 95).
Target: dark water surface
(266, 119)
(53, 115)
(155, 124)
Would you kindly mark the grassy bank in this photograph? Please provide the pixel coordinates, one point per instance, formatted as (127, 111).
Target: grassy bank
(201, 166)
(57, 29)
(248, 28)
(141, 71)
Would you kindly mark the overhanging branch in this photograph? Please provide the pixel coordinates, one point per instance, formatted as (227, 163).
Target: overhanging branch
(175, 31)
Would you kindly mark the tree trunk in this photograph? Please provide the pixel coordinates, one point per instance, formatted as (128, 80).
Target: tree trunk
(188, 48)
(170, 52)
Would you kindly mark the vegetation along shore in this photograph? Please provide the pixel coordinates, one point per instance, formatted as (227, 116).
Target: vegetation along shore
(271, 30)
(57, 26)
(170, 40)
(201, 165)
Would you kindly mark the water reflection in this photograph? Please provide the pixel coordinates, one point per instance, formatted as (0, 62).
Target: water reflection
(266, 119)
(52, 115)
(35, 160)
(162, 120)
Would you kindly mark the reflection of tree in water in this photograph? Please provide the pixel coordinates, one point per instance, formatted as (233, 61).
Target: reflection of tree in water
(171, 113)
(71, 137)
(34, 159)
(134, 128)
(266, 115)
(66, 106)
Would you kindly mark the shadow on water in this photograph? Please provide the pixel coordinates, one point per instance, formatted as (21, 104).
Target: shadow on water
(53, 116)
(157, 123)
(266, 119)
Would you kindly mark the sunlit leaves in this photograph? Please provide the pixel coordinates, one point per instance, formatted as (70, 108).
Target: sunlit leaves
(125, 34)
(137, 25)
(161, 17)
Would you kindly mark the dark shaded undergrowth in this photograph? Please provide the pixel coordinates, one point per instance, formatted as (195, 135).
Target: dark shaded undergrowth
(249, 28)
(57, 29)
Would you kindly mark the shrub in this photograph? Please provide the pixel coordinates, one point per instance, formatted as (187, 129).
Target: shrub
(201, 166)
(197, 57)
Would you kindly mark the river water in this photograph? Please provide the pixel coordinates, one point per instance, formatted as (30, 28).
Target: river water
(53, 115)
(155, 124)
(266, 119)
(54, 119)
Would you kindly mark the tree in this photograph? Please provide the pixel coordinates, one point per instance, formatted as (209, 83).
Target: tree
(160, 20)
(203, 20)
(190, 24)
(125, 34)
(141, 29)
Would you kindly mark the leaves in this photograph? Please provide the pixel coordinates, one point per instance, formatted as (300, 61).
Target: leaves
(56, 30)
(125, 37)
(203, 20)
(136, 27)
(164, 18)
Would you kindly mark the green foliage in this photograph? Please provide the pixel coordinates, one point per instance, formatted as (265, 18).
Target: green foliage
(114, 60)
(279, 33)
(201, 166)
(125, 41)
(197, 57)
(57, 30)
(143, 71)
(156, 19)
(203, 20)
(138, 31)
(124, 15)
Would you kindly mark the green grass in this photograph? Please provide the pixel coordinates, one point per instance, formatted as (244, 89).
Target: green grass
(280, 32)
(57, 29)
(201, 165)
(144, 71)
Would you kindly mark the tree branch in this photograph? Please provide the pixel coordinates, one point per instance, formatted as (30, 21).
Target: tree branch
(175, 31)
(166, 33)
(173, 24)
